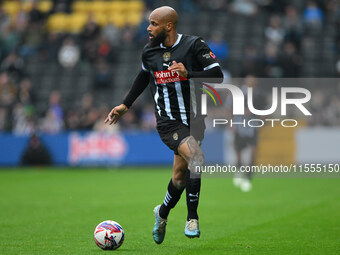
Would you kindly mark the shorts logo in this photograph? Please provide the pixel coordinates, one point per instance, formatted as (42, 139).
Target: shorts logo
(175, 136)
(166, 56)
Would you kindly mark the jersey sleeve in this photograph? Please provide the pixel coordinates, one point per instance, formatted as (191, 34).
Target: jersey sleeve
(145, 67)
(204, 55)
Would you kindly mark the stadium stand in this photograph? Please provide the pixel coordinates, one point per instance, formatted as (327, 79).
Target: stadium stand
(111, 34)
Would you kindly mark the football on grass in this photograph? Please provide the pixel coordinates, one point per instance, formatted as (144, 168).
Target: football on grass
(109, 235)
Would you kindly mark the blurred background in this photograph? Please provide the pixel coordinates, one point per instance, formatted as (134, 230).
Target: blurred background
(66, 63)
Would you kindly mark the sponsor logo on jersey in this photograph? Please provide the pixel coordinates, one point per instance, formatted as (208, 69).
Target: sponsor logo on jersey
(166, 56)
(168, 76)
(175, 136)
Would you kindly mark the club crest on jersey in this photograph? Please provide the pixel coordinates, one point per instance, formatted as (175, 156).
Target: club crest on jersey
(175, 136)
(166, 56)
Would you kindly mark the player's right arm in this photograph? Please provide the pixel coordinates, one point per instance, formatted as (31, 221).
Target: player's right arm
(139, 85)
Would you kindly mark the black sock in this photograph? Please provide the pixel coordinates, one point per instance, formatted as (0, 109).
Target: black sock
(171, 198)
(193, 188)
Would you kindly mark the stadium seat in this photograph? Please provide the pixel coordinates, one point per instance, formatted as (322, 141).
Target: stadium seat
(119, 19)
(11, 8)
(134, 18)
(26, 6)
(99, 6)
(81, 6)
(136, 6)
(118, 7)
(45, 6)
(76, 22)
(100, 18)
(58, 22)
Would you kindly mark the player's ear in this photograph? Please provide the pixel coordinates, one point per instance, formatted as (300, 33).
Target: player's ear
(169, 26)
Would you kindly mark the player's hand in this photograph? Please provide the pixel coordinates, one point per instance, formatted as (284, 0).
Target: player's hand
(116, 113)
(180, 68)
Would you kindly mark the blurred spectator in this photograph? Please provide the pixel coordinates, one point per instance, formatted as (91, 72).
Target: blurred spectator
(275, 31)
(62, 6)
(25, 95)
(8, 90)
(13, 65)
(35, 15)
(141, 34)
(9, 40)
(252, 61)
(214, 5)
(338, 67)
(272, 68)
(102, 75)
(291, 61)
(112, 34)
(54, 106)
(293, 25)
(244, 7)
(337, 37)
(50, 47)
(89, 37)
(90, 119)
(23, 120)
(129, 121)
(5, 20)
(148, 119)
(313, 15)
(87, 113)
(187, 6)
(4, 126)
(21, 20)
(51, 123)
(53, 120)
(273, 6)
(128, 34)
(32, 40)
(36, 153)
(218, 46)
(69, 53)
(105, 50)
(72, 121)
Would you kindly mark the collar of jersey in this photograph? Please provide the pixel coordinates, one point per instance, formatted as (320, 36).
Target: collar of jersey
(177, 42)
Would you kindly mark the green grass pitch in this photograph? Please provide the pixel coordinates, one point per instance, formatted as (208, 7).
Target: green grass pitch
(55, 211)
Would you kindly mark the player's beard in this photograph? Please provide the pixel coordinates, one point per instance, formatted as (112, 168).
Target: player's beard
(157, 40)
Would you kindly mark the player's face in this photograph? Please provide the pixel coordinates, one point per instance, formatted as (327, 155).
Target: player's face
(157, 32)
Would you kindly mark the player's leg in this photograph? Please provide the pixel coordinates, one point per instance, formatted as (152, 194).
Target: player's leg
(246, 183)
(237, 180)
(175, 187)
(190, 150)
(252, 158)
(174, 192)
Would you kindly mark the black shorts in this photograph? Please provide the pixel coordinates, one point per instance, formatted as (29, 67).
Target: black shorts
(173, 132)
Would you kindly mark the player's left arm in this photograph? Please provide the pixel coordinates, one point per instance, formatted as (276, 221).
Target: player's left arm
(206, 58)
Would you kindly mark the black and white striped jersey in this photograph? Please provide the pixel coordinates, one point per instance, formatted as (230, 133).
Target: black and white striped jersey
(177, 98)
